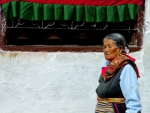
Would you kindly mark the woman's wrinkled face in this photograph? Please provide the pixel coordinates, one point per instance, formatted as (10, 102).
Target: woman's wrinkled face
(110, 49)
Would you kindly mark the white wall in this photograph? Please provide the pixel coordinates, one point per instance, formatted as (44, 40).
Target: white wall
(48, 82)
(44, 82)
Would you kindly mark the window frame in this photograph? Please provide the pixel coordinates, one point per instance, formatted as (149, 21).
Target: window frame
(50, 48)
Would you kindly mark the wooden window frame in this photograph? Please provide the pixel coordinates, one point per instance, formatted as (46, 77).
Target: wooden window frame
(139, 38)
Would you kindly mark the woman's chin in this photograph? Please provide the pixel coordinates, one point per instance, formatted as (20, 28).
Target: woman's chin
(107, 58)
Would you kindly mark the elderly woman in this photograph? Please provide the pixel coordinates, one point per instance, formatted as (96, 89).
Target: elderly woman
(118, 83)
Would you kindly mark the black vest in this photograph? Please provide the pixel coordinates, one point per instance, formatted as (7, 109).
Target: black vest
(110, 88)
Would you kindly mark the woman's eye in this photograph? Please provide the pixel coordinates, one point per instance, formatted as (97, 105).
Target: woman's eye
(104, 47)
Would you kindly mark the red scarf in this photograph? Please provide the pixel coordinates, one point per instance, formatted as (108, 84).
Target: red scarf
(116, 64)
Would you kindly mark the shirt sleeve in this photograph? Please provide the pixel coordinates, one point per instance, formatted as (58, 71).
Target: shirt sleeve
(129, 87)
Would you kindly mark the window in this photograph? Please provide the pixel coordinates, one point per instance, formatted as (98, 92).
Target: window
(60, 35)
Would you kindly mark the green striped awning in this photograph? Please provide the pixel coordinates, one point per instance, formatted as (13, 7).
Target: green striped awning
(76, 10)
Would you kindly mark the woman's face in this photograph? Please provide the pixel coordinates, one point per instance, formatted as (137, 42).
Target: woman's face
(110, 49)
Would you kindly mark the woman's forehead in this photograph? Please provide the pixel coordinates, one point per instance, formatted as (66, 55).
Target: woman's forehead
(108, 41)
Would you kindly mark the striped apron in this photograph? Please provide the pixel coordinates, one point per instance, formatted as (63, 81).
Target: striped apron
(110, 105)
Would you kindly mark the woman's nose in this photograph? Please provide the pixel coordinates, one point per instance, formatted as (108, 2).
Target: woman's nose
(106, 49)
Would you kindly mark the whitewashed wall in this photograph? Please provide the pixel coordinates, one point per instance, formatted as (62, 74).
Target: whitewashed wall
(44, 82)
(48, 82)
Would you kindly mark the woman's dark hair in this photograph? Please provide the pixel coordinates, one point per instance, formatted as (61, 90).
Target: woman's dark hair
(118, 39)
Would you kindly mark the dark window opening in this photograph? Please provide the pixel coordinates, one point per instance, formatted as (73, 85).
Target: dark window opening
(24, 32)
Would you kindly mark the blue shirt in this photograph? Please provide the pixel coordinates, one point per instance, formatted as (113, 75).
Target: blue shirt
(129, 87)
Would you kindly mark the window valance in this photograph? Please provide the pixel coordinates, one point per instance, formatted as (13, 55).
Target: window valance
(76, 10)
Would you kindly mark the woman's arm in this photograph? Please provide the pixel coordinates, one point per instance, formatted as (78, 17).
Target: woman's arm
(129, 87)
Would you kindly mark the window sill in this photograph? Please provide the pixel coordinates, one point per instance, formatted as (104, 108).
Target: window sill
(61, 48)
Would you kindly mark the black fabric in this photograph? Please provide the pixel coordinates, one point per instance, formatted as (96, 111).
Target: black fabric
(120, 106)
(110, 88)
